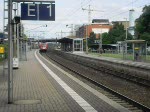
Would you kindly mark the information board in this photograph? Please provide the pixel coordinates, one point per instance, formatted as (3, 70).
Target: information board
(43, 12)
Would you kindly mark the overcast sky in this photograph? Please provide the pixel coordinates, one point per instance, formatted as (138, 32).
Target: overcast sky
(70, 12)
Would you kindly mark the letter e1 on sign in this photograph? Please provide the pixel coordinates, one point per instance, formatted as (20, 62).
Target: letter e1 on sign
(43, 12)
(28, 11)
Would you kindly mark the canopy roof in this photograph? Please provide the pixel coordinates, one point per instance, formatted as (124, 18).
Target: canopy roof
(65, 40)
(135, 41)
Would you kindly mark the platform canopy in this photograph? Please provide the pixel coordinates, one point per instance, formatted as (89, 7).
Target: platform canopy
(65, 40)
(135, 41)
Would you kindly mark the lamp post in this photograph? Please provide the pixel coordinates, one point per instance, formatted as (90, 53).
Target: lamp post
(87, 39)
(87, 28)
(100, 40)
(10, 54)
(61, 34)
(126, 38)
(126, 28)
(71, 29)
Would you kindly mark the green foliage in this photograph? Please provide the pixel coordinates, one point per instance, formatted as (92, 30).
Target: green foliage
(106, 39)
(146, 36)
(91, 39)
(143, 25)
(122, 37)
(116, 33)
(119, 27)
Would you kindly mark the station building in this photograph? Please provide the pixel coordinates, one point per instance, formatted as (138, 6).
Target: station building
(98, 26)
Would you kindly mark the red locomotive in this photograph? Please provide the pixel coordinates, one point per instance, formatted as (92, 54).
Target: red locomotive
(43, 47)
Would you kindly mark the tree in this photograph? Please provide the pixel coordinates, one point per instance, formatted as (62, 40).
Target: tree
(91, 39)
(142, 27)
(123, 37)
(146, 36)
(106, 39)
(115, 33)
(118, 33)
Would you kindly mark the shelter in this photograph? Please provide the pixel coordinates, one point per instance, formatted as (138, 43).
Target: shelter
(120, 46)
(71, 45)
(136, 50)
(78, 45)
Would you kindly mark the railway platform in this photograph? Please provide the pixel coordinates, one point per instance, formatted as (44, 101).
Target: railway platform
(142, 65)
(41, 86)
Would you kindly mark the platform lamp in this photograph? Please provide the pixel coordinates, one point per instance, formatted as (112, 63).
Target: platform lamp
(126, 38)
(17, 19)
(100, 39)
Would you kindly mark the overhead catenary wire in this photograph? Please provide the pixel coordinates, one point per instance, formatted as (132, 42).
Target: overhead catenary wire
(120, 13)
(69, 15)
(117, 10)
(72, 12)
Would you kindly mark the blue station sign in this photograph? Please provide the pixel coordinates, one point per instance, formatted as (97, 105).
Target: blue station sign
(43, 12)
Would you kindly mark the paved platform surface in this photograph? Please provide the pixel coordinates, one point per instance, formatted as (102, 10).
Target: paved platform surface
(144, 65)
(38, 90)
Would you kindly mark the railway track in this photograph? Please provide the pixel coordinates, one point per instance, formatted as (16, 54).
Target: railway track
(112, 94)
(115, 72)
(138, 80)
(123, 73)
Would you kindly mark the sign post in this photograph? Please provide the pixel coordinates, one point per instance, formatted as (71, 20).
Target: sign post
(10, 54)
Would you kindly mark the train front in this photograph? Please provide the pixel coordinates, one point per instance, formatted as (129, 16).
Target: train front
(43, 47)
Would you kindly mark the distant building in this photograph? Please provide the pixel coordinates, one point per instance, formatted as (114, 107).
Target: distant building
(98, 26)
(124, 23)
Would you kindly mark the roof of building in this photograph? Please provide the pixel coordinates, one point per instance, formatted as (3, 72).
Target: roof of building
(135, 41)
(100, 21)
(65, 40)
